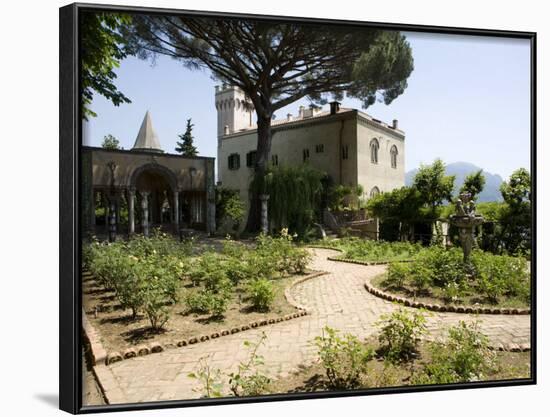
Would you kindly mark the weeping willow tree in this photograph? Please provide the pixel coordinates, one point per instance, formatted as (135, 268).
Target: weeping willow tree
(294, 196)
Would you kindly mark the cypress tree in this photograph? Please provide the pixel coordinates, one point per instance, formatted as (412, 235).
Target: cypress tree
(185, 145)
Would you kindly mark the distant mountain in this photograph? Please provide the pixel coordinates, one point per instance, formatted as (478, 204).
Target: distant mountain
(491, 192)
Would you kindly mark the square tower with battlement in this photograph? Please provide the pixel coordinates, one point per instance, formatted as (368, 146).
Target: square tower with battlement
(234, 110)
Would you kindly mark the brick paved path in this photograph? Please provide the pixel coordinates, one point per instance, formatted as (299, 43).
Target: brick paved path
(337, 299)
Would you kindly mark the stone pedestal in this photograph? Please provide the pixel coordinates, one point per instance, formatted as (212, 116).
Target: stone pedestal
(466, 226)
(264, 198)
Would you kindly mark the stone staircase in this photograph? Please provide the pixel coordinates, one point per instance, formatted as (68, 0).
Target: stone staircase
(353, 223)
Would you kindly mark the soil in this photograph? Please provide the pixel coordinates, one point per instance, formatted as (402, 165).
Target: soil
(435, 296)
(120, 331)
(510, 365)
(91, 393)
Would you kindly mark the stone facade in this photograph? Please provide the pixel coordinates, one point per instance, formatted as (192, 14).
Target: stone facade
(337, 142)
(157, 189)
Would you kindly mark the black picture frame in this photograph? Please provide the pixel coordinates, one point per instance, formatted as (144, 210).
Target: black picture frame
(70, 125)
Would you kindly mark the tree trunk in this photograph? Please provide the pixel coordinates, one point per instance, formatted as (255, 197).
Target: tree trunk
(263, 150)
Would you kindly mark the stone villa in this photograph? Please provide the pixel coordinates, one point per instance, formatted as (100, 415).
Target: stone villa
(351, 146)
(155, 189)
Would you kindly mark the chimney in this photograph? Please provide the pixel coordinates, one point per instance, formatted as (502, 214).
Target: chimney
(395, 124)
(334, 107)
(289, 117)
(301, 112)
(226, 130)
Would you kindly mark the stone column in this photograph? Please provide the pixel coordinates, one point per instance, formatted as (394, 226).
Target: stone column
(145, 213)
(264, 198)
(92, 214)
(131, 203)
(176, 211)
(112, 219)
(210, 197)
(211, 216)
(117, 211)
(106, 213)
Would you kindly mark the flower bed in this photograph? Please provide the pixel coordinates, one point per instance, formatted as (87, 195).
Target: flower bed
(439, 276)
(157, 290)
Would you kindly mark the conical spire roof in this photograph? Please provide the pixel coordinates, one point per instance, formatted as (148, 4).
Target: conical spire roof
(147, 139)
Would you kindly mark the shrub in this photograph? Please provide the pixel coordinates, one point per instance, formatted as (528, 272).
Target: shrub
(261, 265)
(377, 251)
(345, 359)
(399, 334)
(158, 243)
(443, 266)
(143, 274)
(217, 280)
(208, 268)
(207, 301)
(233, 249)
(250, 380)
(464, 357)
(499, 275)
(280, 253)
(298, 260)
(397, 275)
(230, 210)
(209, 378)
(238, 270)
(154, 302)
(453, 291)
(199, 302)
(125, 274)
(261, 293)
(492, 276)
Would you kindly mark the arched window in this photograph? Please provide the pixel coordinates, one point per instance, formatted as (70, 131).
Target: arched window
(393, 156)
(374, 146)
(374, 192)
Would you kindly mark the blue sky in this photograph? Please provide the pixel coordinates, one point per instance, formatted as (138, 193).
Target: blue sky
(467, 100)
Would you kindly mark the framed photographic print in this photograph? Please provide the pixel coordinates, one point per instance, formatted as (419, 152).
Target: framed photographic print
(262, 208)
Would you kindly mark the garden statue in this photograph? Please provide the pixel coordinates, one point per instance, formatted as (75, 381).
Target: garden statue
(466, 220)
